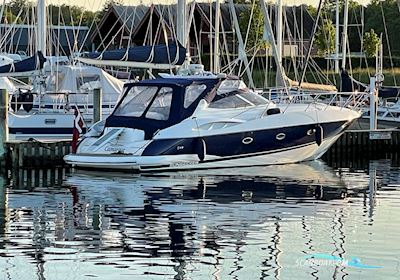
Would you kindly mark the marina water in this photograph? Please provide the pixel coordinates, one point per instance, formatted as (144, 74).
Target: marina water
(313, 220)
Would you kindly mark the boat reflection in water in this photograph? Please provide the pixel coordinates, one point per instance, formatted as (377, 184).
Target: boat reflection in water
(194, 225)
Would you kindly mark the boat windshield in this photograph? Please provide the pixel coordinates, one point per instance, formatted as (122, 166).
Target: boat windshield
(235, 94)
(148, 101)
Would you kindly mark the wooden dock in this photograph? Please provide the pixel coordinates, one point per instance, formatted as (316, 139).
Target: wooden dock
(35, 154)
(369, 141)
(354, 146)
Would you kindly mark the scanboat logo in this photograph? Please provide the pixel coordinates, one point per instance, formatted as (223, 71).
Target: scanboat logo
(329, 260)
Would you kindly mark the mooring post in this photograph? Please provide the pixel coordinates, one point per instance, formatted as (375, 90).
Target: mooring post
(97, 105)
(373, 99)
(3, 121)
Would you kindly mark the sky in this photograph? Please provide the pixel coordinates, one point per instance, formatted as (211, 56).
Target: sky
(97, 4)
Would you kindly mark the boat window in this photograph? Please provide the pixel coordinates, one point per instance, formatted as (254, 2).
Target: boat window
(87, 80)
(136, 101)
(161, 106)
(231, 85)
(192, 93)
(237, 99)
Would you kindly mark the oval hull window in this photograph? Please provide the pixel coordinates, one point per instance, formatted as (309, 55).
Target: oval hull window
(247, 140)
(280, 136)
(310, 132)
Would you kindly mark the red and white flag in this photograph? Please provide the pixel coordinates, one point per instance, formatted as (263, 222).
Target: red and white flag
(78, 129)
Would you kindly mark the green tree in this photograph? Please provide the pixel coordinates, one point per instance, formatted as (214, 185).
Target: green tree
(9, 16)
(17, 5)
(70, 15)
(371, 42)
(375, 20)
(325, 38)
(107, 5)
(256, 30)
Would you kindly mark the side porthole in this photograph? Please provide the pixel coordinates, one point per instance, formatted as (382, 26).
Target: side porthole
(310, 132)
(280, 136)
(247, 140)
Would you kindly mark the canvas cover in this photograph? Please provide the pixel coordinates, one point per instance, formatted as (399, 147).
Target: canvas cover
(30, 64)
(79, 81)
(6, 84)
(172, 54)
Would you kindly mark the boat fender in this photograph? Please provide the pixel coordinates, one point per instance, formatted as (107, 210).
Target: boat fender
(28, 102)
(319, 134)
(200, 148)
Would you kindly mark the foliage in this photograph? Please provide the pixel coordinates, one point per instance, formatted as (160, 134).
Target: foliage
(256, 30)
(371, 42)
(70, 15)
(59, 14)
(107, 5)
(325, 38)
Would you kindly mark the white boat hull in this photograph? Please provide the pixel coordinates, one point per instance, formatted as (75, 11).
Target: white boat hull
(184, 162)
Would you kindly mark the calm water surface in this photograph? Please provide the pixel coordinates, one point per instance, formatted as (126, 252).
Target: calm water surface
(302, 221)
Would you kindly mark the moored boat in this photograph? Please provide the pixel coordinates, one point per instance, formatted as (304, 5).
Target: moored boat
(211, 122)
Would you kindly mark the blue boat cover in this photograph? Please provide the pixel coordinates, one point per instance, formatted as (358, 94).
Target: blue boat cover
(349, 84)
(158, 54)
(33, 63)
(178, 111)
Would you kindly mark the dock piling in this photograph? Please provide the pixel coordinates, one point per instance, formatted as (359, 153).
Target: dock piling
(373, 100)
(3, 121)
(97, 105)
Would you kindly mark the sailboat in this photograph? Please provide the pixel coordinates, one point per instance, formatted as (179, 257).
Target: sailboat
(44, 110)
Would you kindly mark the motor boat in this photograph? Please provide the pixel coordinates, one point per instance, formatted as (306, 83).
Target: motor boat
(178, 123)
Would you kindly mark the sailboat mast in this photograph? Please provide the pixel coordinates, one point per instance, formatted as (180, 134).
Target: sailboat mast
(279, 30)
(344, 36)
(280, 72)
(181, 22)
(41, 26)
(242, 51)
(337, 35)
(216, 39)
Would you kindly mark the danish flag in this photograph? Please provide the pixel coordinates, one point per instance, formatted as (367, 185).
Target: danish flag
(77, 130)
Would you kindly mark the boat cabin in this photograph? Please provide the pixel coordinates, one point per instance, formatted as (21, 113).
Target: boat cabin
(151, 105)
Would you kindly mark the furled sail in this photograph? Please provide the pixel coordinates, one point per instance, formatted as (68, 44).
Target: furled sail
(311, 86)
(24, 67)
(156, 57)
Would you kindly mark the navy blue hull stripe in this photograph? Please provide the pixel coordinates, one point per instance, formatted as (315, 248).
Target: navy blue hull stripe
(234, 144)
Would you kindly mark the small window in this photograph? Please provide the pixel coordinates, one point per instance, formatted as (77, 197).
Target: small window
(192, 93)
(50, 121)
(237, 99)
(161, 106)
(86, 79)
